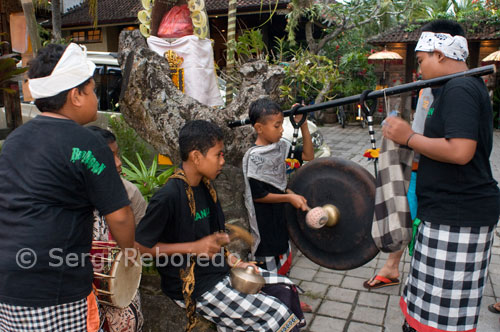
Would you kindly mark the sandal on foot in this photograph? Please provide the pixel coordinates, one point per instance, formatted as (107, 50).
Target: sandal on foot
(493, 309)
(384, 282)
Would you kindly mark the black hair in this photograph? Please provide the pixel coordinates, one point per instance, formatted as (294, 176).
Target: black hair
(108, 136)
(445, 26)
(198, 135)
(261, 108)
(43, 65)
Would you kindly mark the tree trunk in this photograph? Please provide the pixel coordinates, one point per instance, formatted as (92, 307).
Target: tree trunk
(56, 20)
(157, 110)
(29, 14)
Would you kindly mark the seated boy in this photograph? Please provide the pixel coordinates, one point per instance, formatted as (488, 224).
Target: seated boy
(265, 179)
(130, 318)
(53, 174)
(184, 226)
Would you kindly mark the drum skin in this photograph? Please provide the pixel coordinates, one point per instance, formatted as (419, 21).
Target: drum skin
(351, 189)
(116, 280)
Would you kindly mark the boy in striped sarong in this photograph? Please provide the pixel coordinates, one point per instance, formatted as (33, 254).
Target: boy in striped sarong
(458, 199)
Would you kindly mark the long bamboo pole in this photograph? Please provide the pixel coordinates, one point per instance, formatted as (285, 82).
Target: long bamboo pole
(480, 71)
(231, 48)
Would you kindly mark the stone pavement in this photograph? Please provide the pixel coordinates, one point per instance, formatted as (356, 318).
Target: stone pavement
(339, 301)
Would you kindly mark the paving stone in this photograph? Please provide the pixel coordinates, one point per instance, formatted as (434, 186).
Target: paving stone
(393, 315)
(313, 301)
(373, 300)
(324, 324)
(361, 327)
(388, 290)
(368, 315)
(372, 263)
(328, 278)
(309, 318)
(494, 269)
(314, 288)
(487, 321)
(335, 309)
(302, 273)
(362, 272)
(495, 259)
(306, 263)
(396, 327)
(340, 294)
(488, 290)
(353, 283)
(324, 269)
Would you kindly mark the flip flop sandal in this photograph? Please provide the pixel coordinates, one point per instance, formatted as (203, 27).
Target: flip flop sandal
(384, 282)
(492, 309)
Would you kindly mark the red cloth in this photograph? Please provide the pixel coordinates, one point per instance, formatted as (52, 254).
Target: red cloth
(176, 23)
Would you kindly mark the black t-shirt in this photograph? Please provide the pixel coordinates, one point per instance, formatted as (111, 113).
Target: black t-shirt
(451, 194)
(271, 217)
(53, 173)
(168, 219)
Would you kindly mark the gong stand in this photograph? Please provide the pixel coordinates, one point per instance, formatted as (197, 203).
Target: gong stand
(480, 71)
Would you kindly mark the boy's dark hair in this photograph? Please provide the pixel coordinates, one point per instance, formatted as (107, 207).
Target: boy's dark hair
(445, 26)
(108, 136)
(262, 108)
(198, 135)
(42, 66)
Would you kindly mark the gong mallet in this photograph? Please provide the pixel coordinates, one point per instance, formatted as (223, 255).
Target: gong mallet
(320, 216)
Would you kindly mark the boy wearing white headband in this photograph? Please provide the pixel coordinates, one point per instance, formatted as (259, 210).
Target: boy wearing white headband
(458, 199)
(53, 174)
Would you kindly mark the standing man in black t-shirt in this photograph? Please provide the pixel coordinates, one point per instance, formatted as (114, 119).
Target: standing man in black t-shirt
(458, 199)
(53, 174)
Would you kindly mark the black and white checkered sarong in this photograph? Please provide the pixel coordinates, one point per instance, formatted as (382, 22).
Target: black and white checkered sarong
(67, 317)
(447, 275)
(231, 310)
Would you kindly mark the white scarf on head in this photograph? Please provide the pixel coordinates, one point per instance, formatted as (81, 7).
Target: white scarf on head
(70, 71)
(454, 47)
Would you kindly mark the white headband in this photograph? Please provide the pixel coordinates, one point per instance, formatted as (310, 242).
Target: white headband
(70, 71)
(454, 47)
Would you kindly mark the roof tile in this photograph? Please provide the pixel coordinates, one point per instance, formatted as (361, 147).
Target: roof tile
(115, 11)
(410, 33)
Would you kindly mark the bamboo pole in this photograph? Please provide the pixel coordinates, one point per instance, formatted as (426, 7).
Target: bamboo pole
(480, 71)
(231, 48)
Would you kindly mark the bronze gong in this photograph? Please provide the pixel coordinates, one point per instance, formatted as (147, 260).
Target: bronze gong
(351, 189)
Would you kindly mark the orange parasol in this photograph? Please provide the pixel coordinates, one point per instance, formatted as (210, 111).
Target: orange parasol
(385, 56)
(493, 57)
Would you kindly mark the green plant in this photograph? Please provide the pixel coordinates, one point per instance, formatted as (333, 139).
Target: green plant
(8, 69)
(147, 180)
(357, 75)
(308, 76)
(251, 45)
(129, 142)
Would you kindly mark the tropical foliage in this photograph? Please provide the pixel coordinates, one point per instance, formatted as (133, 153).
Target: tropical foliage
(8, 69)
(129, 142)
(146, 179)
(308, 76)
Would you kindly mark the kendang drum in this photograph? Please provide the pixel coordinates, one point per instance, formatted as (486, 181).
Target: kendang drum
(116, 280)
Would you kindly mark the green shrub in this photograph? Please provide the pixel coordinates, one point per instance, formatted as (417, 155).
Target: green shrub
(129, 142)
